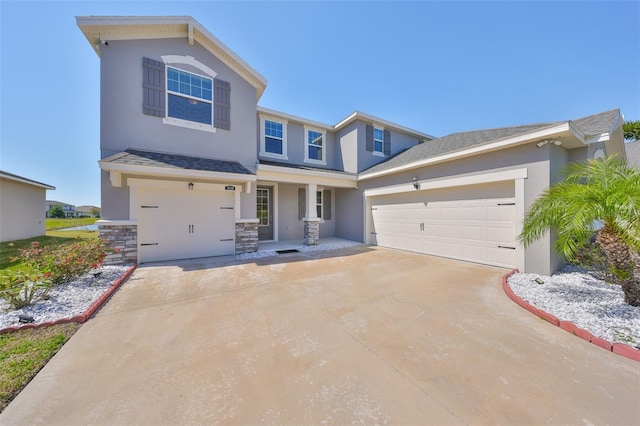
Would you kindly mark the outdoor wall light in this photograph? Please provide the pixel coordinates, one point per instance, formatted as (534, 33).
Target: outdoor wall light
(190, 186)
(416, 184)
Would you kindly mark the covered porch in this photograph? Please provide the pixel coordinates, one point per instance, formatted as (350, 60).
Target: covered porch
(296, 204)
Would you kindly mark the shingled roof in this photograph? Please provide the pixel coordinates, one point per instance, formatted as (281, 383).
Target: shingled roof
(137, 157)
(307, 168)
(591, 125)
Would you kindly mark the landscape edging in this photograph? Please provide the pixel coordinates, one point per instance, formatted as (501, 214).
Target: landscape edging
(82, 317)
(618, 348)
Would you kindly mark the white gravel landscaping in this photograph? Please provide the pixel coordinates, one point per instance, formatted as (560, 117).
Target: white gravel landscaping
(304, 249)
(65, 300)
(578, 296)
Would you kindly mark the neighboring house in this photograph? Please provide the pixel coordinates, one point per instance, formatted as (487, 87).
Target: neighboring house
(633, 153)
(68, 209)
(90, 211)
(191, 165)
(22, 203)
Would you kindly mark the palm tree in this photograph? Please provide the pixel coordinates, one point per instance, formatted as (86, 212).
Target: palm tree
(605, 191)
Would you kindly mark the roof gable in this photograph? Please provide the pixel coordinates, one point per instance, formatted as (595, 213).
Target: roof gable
(597, 124)
(16, 178)
(98, 29)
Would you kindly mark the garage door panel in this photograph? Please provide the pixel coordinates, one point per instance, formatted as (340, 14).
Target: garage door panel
(462, 229)
(186, 224)
(477, 232)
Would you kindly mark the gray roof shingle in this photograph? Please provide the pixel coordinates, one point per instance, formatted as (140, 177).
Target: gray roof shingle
(301, 167)
(591, 125)
(175, 161)
(598, 123)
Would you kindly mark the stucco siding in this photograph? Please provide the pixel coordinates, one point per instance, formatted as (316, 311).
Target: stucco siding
(633, 153)
(22, 210)
(289, 226)
(347, 148)
(399, 142)
(123, 124)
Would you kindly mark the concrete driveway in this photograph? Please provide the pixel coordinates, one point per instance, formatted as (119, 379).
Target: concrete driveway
(362, 335)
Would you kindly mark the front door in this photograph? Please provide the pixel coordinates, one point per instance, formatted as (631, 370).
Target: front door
(265, 212)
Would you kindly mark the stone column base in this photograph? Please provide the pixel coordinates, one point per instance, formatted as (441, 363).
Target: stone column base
(246, 236)
(311, 231)
(122, 238)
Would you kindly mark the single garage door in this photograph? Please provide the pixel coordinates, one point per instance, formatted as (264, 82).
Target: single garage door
(475, 230)
(185, 224)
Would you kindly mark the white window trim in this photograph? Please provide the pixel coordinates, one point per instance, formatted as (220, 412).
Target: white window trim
(263, 152)
(378, 153)
(170, 60)
(307, 145)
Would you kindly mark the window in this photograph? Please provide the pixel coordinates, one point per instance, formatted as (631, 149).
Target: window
(314, 146)
(189, 96)
(378, 140)
(319, 204)
(273, 138)
(262, 195)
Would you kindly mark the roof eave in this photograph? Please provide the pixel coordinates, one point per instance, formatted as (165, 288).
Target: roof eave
(481, 149)
(358, 115)
(135, 169)
(27, 181)
(189, 28)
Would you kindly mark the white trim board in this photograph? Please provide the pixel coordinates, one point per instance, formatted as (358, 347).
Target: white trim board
(457, 180)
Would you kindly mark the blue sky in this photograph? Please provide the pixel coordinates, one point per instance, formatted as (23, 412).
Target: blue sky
(437, 67)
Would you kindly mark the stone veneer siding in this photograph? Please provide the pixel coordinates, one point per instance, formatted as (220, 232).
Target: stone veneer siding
(246, 237)
(311, 232)
(123, 240)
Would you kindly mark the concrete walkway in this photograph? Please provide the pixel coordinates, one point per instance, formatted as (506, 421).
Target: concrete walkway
(361, 335)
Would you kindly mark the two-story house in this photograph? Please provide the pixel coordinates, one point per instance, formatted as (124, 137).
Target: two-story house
(192, 166)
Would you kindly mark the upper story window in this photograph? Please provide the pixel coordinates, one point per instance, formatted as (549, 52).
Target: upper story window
(273, 138)
(189, 96)
(185, 92)
(378, 141)
(315, 149)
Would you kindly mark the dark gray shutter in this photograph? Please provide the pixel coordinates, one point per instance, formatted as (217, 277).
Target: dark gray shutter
(326, 204)
(221, 104)
(369, 137)
(387, 142)
(153, 83)
(302, 203)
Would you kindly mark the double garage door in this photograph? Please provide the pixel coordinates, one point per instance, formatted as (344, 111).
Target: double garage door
(478, 230)
(183, 224)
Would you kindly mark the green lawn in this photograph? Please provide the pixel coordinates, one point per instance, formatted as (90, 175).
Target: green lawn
(69, 222)
(10, 249)
(23, 353)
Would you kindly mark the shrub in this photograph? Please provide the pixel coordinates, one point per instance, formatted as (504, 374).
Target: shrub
(21, 288)
(46, 267)
(64, 263)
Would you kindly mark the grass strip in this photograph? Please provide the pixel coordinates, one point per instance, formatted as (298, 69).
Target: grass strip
(24, 352)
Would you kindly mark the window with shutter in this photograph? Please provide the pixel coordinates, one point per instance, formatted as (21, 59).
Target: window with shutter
(183, 97)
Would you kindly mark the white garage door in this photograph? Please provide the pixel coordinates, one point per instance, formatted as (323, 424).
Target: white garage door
(480, 230)
(185, 224)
